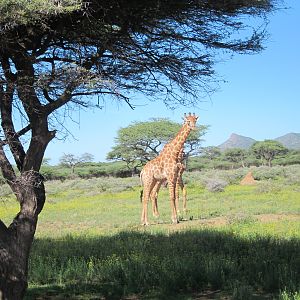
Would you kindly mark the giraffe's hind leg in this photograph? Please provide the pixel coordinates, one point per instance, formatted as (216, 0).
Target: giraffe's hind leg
(184, 196)
(148, 186)
(154, 196)
(181, 185)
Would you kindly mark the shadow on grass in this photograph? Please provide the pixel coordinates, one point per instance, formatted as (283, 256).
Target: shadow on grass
(160, 266)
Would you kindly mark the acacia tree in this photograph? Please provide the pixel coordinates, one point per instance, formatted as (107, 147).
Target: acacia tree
(142, 141)
(211, 152)
(55, 54)
(71, 161)
(236, 155)
(267, 150)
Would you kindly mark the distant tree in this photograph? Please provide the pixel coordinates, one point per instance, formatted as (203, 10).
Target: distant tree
(86, 157)
(55, 56)
(236, 155)
(194, 141)
(211, 152)
(71, 161)
(142, 141)
(132, 157)
(267, 150)
(291, 158)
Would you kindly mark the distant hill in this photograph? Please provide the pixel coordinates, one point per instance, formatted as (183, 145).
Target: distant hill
(290, 141)
(237, 141)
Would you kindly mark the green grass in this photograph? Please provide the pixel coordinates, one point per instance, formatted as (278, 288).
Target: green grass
(243, 243)
(145, 264)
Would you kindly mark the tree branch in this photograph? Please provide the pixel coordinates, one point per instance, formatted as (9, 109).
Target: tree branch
(6, 168)
(11, 137)
(17, 135)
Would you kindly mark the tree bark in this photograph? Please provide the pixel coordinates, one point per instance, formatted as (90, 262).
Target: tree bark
(16, 240)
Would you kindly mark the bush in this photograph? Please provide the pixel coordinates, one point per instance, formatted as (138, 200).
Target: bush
(216, 185)
(264, 172)
(93, 186)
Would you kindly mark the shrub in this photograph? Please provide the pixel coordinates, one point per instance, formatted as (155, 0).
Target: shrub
(289, 296)
(269, 186)
(216, 185)
(93, 186)
(264, 172)
(292, 174)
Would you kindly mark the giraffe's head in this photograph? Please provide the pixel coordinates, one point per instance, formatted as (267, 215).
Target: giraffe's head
(190, 120)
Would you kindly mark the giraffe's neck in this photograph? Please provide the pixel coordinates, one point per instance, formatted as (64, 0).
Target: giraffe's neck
(178, 142)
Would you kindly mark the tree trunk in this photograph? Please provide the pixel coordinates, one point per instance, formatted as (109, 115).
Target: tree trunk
(16, 240)
(270, 162)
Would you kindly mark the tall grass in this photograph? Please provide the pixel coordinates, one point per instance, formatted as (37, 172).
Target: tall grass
(146, 264)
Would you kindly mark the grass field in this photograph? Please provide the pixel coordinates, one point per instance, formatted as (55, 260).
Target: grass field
(239, 243)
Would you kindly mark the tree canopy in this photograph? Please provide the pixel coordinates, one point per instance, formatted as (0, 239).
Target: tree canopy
(236, 155)
(58, 53)
(267, 150)
(71, 161)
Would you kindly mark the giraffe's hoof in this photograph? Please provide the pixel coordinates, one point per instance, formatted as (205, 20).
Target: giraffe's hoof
(145, 224)
(175, 221)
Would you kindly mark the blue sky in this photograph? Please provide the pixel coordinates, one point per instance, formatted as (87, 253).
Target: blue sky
(260, 99)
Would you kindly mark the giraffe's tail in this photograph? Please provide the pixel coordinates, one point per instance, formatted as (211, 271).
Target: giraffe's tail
(141, 182)
(141, 195)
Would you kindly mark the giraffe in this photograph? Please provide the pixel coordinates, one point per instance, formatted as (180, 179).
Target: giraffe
(179, 184)
(165, 167)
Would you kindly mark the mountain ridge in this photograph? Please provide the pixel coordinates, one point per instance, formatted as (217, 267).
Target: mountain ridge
(290, 140)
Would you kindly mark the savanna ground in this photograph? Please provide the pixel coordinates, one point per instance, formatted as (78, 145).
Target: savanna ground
(235, 242)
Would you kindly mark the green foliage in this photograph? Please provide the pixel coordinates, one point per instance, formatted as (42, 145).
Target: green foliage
(24, 12)
(285, 295)
(71, 161)
(86, 170)
(143, 263)
(228, 159)
(291, 158)
(211, 152)
(236, 155)
(268, 150)
(204, 163)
